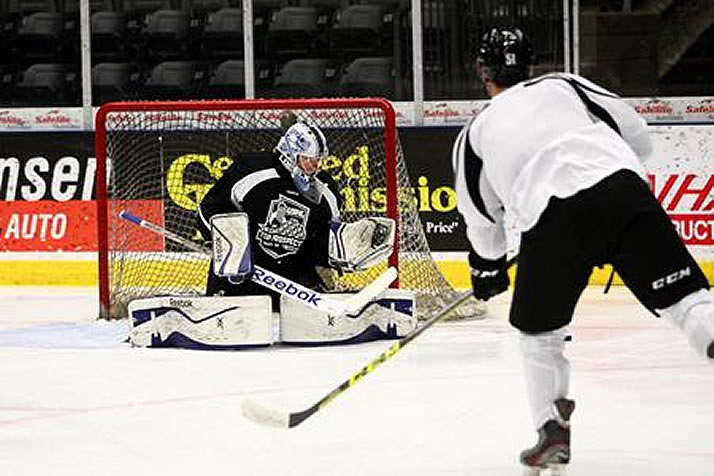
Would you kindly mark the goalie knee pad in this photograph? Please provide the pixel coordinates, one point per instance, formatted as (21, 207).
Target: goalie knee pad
(390, 317)
(219, 323)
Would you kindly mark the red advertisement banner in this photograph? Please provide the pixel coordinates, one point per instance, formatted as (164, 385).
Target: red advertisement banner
(695, 229)
(67, 226)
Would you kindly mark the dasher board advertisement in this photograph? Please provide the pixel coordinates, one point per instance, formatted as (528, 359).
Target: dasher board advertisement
(47, 186)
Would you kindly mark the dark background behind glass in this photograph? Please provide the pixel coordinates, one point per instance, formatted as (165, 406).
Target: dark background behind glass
(183, 49)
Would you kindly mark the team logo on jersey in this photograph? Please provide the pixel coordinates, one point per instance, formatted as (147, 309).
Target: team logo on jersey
(284, 229)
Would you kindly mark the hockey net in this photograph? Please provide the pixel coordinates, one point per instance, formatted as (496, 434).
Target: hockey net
(162, 157)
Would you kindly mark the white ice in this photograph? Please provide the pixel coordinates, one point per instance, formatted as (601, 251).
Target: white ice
(75, 400)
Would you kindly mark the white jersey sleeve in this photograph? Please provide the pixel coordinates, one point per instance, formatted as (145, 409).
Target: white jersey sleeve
(477, 202)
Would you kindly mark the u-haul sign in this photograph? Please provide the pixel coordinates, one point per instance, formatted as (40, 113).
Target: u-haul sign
(681, 174)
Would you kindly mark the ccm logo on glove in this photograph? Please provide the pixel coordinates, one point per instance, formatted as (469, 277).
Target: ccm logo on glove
(488, 277)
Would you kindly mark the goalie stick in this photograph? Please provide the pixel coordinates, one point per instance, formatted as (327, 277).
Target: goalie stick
(285, 419)
(284, 286)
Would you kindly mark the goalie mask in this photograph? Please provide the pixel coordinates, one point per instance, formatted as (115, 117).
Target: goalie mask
(302, 148)
(504, 56)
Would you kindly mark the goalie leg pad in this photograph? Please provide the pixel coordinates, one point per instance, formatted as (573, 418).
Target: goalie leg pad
(391, 316)
(207, 323)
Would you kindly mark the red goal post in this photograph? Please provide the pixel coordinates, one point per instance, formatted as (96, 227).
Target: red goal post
(157, 159)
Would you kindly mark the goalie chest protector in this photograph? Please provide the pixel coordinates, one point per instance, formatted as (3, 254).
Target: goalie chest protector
(289, 231)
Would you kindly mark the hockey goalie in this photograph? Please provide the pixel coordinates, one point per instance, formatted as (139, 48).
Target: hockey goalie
(277, 211)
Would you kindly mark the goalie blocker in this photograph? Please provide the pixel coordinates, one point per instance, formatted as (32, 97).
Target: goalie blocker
(242, 322)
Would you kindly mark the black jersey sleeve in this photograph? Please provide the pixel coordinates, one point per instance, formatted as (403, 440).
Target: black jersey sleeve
(331, 206)
(218, 199)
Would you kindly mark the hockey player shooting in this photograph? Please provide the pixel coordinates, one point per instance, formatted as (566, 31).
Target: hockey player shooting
(271, 219)
(562, 155)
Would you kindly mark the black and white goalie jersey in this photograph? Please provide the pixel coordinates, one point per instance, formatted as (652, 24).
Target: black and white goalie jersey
(503, 160)
(289, 231)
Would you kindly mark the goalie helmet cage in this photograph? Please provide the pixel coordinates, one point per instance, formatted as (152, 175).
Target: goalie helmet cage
(162, 157)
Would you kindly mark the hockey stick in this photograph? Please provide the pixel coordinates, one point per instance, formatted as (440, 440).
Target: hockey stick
(284, 419)
(281, 285)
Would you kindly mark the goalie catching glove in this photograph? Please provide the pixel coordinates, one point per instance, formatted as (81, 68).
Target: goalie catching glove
(362, 244)
(232, 254)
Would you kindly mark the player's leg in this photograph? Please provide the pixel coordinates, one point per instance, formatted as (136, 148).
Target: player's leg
(552, 274)
(391, 316)
(694, 315)
(656, 265)
(552, 450)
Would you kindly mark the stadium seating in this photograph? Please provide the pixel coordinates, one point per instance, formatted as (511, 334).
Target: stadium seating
(27, 7)
(437, 45)
(166, 35)
(200, 9)
(292, 33)
(264, 12)
(110, 36)
(306, 78)
(227, 81)
(141, 8)
(389, 5)
(46, 84)
(373, 76)
(326, 10)
(94, 5)
(40, 37)
(138, 12)
(8, 77)
(114, 82)
(361, 30)
(222, 36)
(173, 80)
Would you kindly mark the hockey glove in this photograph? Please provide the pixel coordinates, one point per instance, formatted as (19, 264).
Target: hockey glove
(359, 245)
(488, 277)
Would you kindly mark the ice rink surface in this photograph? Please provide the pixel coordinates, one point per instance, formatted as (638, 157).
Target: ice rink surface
(75, 400)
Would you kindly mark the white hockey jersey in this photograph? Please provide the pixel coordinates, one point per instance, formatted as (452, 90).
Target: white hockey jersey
(550, 136)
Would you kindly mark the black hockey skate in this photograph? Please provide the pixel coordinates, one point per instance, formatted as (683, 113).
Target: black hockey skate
(552, 452)
(710, 350)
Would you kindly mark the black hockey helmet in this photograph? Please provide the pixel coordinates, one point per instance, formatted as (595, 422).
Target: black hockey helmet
(505, 55)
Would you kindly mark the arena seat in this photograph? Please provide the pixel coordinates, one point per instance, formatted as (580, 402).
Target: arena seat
(46, 84)
(114, 82)
(110, 36)
(371, 76)
(222, 37)
(292, 33)
(308, 77)
(227, 81)
(40, 37)
(166, 35)
(360, 30)
(173, 80)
